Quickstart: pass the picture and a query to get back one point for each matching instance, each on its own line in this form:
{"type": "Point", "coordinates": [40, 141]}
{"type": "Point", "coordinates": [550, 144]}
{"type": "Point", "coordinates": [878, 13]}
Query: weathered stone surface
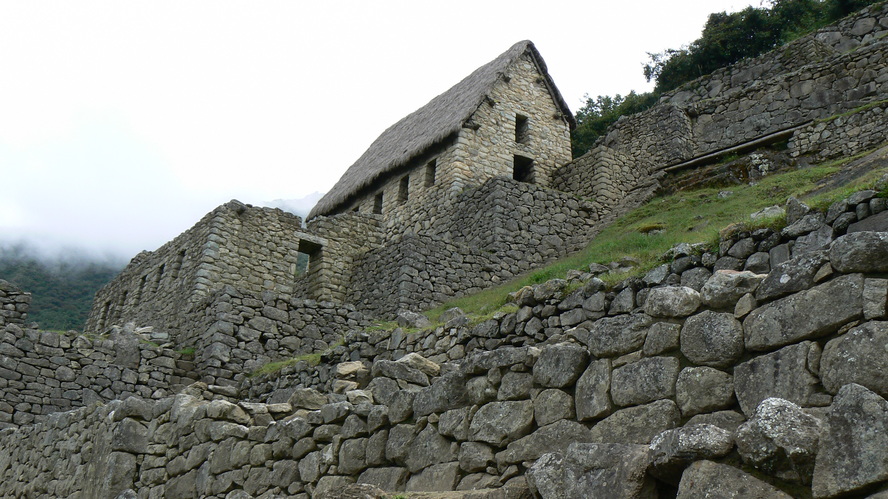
{"type": "Point", "coordinates": [726, 420]}
{"type": "Point", "coordinates": [673, 450]}
{"type": "Point", "coordinates": [781, 440]}
{"type": "Point", "coordinates": [637, 425]}
{"type": "Point", "coordinates": [552, 405]}
{"type": "Point", "coordinates": [560, 365]}
{"type": "Point", "coordinates": [387, 479]}
{"type": "Point", "coordinates": [352, 456]}
{"type": "Point", "coordinates": [860, 252]}
{"type": "Point", "coordinates": [399, 370]}
{"type": "Point", "coordinates": [725, 287]}
{"type": "Point", "coordinates": [593, 470]}
{"type": "Point", "coordinates": [791, 276]}
{"type": "Point", "coordinates": [441, 477]}
{"type": "Point", "coordinates": [807, 314]}
{"type": "Point", "coordinates": [446, 392]}
{"type": "Point", "coordinates": [875, 299]}
{"type": "Point", "coordinates": [672, 301]}
{"type": "Point", "coordinates": [784, 374]}
{"type": "Point", "coordinates": [859, 356]}
{"type": "Point", "coordinates": [554, 437]}
{"type": "Point", "coordinates": [428, 448]}
{"type": "Point", "coordinates": [852, 450]}
{"type": "Point", "coordinates": [308, 398]}
{"type": "Point", "coordinates": [501, 422]}
{"type": "Point", "coordinates": [612, 336]}
{"type": "Point", "coordinates": [593, 391]}
{"type": "Point", "coordinates": [645, 380]}
{"type": "Point", "coordinates": [703, 389]}
{"type": "Point", "coordinates": [712, 339]}
{"type": "Point", "coordinates": [501, 357]}
{"type": "Point", "coordinates": [662, 337]}
{"type": "Point", "coordinates": [709, 479]}
{"type": "Point", "coordinates": [421, 363]}
{"type": "Point", "coordinates": [342, 491]}
{"type": "Point", "coordinates": [474, 456]}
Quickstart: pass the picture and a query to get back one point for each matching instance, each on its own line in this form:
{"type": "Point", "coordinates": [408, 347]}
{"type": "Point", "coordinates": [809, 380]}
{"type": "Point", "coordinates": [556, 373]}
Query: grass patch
{"type": "Point", "coordinates": [690, 216]}
{"type": "Point", "coordinates": [189, 351]}
{"type": "Point", "coordinates": [313, 359]}
{"type": "Point", "coordinates": [860, 109]}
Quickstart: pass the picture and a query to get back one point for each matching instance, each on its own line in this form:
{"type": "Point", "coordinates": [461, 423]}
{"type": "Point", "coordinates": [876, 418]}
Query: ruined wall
{"type": "Point", "coordinates": [240, 332]}
{"type": "Point", "coordinates": [14, 304]}
{"type": "Point", "coordinates": [683, 380]}
{"type": "Point", "coordinates": [42, 372]}
{"type": "Point", "coordinates": [234, 244]}
{"type": "Point", "coordinates": [842, 136]}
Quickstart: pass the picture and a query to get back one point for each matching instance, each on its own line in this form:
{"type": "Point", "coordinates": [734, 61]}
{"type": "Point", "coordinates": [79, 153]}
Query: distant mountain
{"type": "Point", "coordinates": [300, 206]}
{"type": "Point", "coordinates": [62, 285]}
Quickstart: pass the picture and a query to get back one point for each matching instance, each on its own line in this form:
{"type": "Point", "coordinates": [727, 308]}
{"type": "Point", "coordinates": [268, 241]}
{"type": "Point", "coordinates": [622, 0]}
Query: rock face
{"type": "Point", "coordinates": [593, 470]}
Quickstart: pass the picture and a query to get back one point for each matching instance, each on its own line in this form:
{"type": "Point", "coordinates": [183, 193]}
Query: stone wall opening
{"type": "Point", "coordinates": [522, 170]}
{"type": "Point", "coordinates": [430, 171]}
{"type": "Point", "coordinates": [377, 204]}
{"type": "Point", "coordinates": [404, 189]}
{"type": "Point", "coordinates": [521, 129]}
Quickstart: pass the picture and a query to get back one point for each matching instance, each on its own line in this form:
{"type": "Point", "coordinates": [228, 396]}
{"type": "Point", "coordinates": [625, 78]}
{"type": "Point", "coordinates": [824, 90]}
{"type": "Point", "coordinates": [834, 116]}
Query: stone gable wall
{"type": "Point", "coordinates": [694, 351]}
{"type": "Point", "coordinates": [14, 304]}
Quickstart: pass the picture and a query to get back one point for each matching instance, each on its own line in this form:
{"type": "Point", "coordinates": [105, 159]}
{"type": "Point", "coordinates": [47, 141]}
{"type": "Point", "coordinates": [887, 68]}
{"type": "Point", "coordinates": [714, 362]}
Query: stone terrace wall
{"type": "Point", "coordinates": [843, 136]}
{"type": "Point", "coordinates": [43, 372]}
{"type": "Point", "coordinates": [833, 71]}
{"type": "Point", "coordinates": [14, 304]}
{"type": "Point", "coordinates": [241, 332]}
{"type": "Point", "coordinates": [492, 233]}
{"type": "Point", "coordinates": [693, 350]}
{"type": "Point", "coordinates": [234, 244]}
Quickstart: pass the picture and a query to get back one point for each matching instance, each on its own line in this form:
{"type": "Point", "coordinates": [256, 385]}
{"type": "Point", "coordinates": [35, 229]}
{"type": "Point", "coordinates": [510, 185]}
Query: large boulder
{"type": "Point", "coordinates": [593, 391]}
{"type": "Point", "coordinates": [612, 336]}
{"type": "Point", "coordinates": [672, 301]}
{"type": "Point", "coordinates": [860, 252]}
{"type": "Point", "coordinates": [859, 356]}
{"type": "Point", "coordinates": [808, 314]}
{"type": "Point", "coordinates": [703, 389]}
{"type": "Point", "coordinates": [781, 440]}
{"type": "Point", "coordinates": [725, 287]}
{"type": "Point", "coordinates": [445, 393]}
{"type": "Point", "coordinates": [784, 374]}
{"type": "Point", "coordinates": [593, 470]}
{"type": "Point", "coordinates": [791, 276]}
{"type": "Point", "coordinates": [645, 380]}
{"type": "Point", "coordinates": [712, 339]}
{"type": "Point", "coordinates": [709, 479]}
{"type": "Point", "coordinates": [500, 422]}
{"type": "Point", "coordinates": [551, 438]}
{"type": "Point", "coordinates": [852, 452]}
{"type": "Point", "coordinates": [637, 425]}
{"type": "Point", "coordinates": [560, 365]}
{"type": "Point", "coordinates": [673, 450]}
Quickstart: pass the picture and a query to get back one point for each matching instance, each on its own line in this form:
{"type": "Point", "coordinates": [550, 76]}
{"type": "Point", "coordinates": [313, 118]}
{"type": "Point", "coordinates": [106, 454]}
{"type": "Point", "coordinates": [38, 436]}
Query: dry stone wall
{"type": "Point", "coordinates": [234, 244]}
{"type": "Point", "coordinates": [43, 372]}
{"type": "Point", "coordinates": [14, 304]}
{"type": "Point", "coordinates": [835, 71]}
{"type": "Point", "coordinates": [767, 353]}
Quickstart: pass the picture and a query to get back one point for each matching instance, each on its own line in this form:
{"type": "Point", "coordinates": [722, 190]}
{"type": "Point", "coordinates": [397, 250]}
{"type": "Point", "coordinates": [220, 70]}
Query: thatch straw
{"type": "Point", "coordinates": [429, 126]}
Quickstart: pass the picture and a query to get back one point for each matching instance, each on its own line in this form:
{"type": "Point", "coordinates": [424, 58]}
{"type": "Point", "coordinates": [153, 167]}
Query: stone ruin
{"type": "Point", "coordinates": [754, 367]}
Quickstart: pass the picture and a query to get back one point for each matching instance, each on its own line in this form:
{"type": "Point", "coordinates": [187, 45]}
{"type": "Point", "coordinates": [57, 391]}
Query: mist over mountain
{"type": "Point", "coordinates": [62, 282]}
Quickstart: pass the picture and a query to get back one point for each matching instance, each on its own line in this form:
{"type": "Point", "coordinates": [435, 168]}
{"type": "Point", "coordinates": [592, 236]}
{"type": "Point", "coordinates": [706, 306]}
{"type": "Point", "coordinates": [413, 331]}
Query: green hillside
{"type": "Point", "coordinates": [62, 287]}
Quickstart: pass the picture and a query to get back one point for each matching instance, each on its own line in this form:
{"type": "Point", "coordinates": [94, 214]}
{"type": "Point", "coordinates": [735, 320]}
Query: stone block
{"type": "Point", "coordinates": [703, 389]}
{"type": "Point", "coordinates": [784, 374]}
{"type": "Point", "coordinates": [858, 356]}
{"type": "Point", "coordinates": [712, 339]}
{"type": "Point", "coordinates": [645, 380]}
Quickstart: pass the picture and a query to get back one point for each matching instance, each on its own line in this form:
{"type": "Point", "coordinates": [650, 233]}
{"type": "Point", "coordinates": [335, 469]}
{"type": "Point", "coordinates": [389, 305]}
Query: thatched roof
{"type": "Point", "coordinates": [430, 125]}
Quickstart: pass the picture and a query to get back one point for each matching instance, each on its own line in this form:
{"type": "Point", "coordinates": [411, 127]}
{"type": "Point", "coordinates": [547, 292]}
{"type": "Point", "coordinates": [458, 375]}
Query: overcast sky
{"type": "Point", "coordinates": [123, 123]}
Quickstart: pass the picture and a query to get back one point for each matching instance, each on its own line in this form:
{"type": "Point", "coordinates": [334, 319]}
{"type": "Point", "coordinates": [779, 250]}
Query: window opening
{"type": "Point", "coordinates": [521, 128]}
{"type": "Point", "coordinates": [430, 172]}
{"type": "Point", "coordinates": [178, 265]}
{"type": "Point", "coordinates": [377, 204]}
{"type": "Point", "coordinates": [158, 277]}
{"type": "Point", "coordinates": [403, 189]}
{"type": "Point", "coordinates": [523, 169]}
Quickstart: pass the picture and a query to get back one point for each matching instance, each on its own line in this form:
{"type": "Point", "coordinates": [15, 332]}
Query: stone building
{"type": "Point", "coordinates": [506, 119]}
{"type": "Point", "coordinates": [414, 193]}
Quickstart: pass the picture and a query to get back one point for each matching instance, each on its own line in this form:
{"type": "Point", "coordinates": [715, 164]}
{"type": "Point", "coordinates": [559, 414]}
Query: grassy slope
{"type": "Point", "coordinates": [688, 216]}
